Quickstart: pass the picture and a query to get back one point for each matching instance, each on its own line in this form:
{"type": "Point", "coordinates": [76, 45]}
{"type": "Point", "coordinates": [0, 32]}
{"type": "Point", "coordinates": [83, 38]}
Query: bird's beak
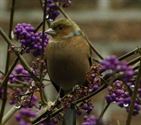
{"type": "Point", "coordinates": [51, 32]}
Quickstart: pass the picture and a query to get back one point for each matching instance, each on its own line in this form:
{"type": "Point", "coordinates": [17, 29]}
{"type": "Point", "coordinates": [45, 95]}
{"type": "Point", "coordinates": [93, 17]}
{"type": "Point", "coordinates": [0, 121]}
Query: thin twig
{"type": "Point", "coordinates": [133, 98]}
{"type": "Point", "coordinates": [46, 113]}
{"type": "Point", "coordinates": [8, 115]}
{"type": "Point", "coordinates": [48, 116]}
{"type": "Point", "coordinates": [2, 72]}
{"type": "Point", "coordinates": [42, 93]}
{"type": "Point", "coordinates": [4, 84]}
{"type": "Point", "coordinates": [128, 54]}
{"type": "Point", "coordinates": [136, 67]}
{"type": "Point", "coordinates": [10, 30]}
{"type": "Point", "coordinates": [37, 28]}
{"type": "Point", "coordinates": [46, 79]}
{"type": "Point", "coordinates": [11, 18]}
{"type": "Point", "coordinates": [43, 34]}
{"type": "Point", "coordinates": [102, 87]}
{"type": "Point", "coordinates": [134, 61]}
{"type": "Point", "coordinates": [103, 112]}
{"type": "Point", "coordinates": [17, 85]}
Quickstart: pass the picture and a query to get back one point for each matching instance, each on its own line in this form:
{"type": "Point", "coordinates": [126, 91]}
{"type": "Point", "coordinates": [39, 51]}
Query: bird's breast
{"type": "Point", "coordinates": [67, 63]}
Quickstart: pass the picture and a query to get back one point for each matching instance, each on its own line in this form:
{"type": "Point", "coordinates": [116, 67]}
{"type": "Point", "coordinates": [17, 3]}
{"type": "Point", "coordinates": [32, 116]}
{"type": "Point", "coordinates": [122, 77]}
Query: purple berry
{"type": "Point", "coordinates": [30, 40]}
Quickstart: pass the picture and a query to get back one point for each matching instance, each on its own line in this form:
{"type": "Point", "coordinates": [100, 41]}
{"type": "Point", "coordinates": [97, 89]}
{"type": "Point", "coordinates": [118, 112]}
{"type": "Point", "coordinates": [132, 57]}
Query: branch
{"type": "Point", "coordinates": [4, 85]}
{"type": "Point", "coordinates": [8, 115]}
{"type": "Point", "coordinates": [10, 30]}
{"type": "Point", "coordinates": [103, 112]}
{"type": "Point", "coordinates": [129, 54]}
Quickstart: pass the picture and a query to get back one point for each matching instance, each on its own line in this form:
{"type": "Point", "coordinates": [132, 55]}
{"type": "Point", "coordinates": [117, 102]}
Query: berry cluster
{"type": "Point", "coordinates": [52, 8]}
{"type": "Point", "coordinates": [22, 94]}
{"type": "Point", "coordinates": [118, 93]}
{"type": "Point", "coordinates": [39, 66]}
{"type": "Point", "coordinates": [85, 107]}
{"type": "Point", "coordinates": [24, 116]}
{"type": "Point", "coordinates": [89, 120]}
{"type": "Point", "coordinates": [113, 65]}
{"type": "Point", "coordinates": [22, 97]}
{"type": "Point", "coordinates": [93, 78]}
{"type": "Point", "coordinates": [19, 75]}
{"type": "Point", "coordinates": [31, 41]}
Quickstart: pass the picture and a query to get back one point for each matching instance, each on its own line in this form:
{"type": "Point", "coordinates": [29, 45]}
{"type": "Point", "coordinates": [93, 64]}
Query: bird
{"type": "Point", "coordinates": [68, 57]}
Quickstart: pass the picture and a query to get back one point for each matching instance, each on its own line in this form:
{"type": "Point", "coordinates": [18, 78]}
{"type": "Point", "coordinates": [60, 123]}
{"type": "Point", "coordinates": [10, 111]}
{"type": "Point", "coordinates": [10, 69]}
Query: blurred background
{"type": "Point", "coordinates": [114, 27]}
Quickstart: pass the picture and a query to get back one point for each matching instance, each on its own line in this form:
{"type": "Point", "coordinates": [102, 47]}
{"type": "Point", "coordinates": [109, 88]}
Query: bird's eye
{"type": "Point", "coordinates": [60, 27]}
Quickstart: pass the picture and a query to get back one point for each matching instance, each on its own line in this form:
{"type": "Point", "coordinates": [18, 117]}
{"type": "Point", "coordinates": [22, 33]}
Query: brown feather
{"type": "Point", "coordinates": [68, 61]}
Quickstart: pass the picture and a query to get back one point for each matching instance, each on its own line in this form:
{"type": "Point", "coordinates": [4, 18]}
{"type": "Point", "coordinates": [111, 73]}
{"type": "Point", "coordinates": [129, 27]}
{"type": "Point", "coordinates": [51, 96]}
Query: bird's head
{"type": "Point", "coordinates": [62, 27]}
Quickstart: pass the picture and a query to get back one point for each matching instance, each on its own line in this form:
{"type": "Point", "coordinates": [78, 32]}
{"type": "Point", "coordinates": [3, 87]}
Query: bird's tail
{"type": "Point", "coordinates": [70, 116]}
